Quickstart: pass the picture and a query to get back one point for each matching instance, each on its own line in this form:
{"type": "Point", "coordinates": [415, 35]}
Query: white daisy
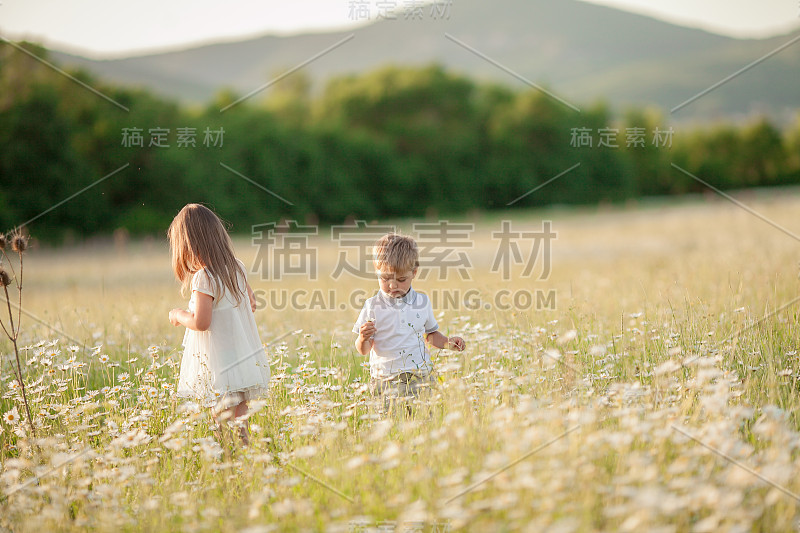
{"type": "Point", "coordinates": [11, 417]}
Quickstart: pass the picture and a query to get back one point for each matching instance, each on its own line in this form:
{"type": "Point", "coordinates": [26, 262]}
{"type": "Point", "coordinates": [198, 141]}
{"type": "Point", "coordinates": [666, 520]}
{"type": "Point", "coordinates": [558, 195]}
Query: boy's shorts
{"type": "Point", "coordinates": [406, 384]}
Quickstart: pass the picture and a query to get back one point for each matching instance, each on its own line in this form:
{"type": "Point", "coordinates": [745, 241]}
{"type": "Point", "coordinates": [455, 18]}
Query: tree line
{"type": "Point", "coordinates": [395, 142]}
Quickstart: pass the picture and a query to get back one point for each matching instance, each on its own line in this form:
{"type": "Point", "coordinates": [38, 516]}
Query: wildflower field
{"type": "Point", "coordinates": [659, 393]}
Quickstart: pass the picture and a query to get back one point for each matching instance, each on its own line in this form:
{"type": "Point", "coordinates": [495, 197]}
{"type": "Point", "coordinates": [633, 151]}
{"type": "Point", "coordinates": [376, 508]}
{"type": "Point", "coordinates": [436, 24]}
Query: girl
{"type": "Point", "coordinates": [224, 363]}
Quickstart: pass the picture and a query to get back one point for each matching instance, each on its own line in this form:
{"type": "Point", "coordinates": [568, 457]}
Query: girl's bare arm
{"type": "Point", "coordinates": [200, 320]}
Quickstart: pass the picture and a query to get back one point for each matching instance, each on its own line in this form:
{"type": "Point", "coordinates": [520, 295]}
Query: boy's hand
{"type": "Point", "coordinates": [367, 330]}
{"type": "Point", "coordinates": [173, 317]}
{"type": "Point", "coordinates": [456, 343]}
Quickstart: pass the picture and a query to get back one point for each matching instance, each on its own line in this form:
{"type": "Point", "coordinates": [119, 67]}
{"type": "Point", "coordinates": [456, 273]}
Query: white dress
{"type": "Point", "coordinates": [225, 364]}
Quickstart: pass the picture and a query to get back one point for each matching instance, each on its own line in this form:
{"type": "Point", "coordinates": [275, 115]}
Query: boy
{"type": "Point", "coordinates": [395, 324]}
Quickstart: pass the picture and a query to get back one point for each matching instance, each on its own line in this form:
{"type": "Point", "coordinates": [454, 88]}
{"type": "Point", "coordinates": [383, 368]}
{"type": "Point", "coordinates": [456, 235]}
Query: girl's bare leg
{"type": "Point", "coordinates": [219, 430]}
{"type": "Point", "coordinates": [231, 415]}
{"type": "Point", "coordinates": [238, 412]}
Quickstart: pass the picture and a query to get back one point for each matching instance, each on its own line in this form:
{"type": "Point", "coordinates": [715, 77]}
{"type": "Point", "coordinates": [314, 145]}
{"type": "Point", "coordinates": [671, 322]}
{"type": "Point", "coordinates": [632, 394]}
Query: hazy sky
{"type": "Point", "coordinates": [114, 28]}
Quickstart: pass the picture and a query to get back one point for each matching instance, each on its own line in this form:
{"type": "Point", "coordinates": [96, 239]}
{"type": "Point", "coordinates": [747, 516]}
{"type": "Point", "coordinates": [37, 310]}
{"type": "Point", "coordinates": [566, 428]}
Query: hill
{"type": "Point", "coordinates": [583, 52]}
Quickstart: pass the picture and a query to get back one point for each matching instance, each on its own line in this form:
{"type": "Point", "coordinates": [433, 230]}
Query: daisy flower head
{"type": "Point", "coordinates": [104, 358]}
{"type": "Point", "coordinates": [11, 417]}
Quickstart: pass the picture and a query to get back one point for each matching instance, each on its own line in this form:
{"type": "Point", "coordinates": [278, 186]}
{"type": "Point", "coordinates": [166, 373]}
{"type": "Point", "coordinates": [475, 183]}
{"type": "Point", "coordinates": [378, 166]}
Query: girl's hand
{"type": "Point", "coordinates": [252, 297]}
{"type": "Point", "coordinates": [173, 317]}
{"type": "Point", "coordinates": [456, 343]}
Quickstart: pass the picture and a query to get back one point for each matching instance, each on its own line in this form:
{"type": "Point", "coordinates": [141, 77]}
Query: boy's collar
{"type": "Point", "coordinates": [406, 298]}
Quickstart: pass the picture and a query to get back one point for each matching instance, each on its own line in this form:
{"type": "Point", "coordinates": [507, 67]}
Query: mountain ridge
{"type": "Point", "coordinates": [582, 52]}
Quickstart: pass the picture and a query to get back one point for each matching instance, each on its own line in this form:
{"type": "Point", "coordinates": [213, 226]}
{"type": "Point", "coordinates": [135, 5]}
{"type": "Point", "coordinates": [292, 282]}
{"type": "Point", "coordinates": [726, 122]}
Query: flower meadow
{"type": "Point", "coordinates": [660, 394]}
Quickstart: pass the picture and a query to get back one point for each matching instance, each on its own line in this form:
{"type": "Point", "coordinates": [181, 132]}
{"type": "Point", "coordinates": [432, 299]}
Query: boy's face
{"type": "Point", "coordinates": [395, 284]}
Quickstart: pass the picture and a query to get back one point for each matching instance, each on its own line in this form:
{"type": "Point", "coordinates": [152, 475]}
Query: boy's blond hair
{"type": "Point", "coordinates": [396, 253]}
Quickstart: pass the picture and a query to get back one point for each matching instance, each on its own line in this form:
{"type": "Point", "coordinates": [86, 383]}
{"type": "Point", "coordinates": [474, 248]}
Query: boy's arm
{"type": "Point", "coordinates": [200, 320]}
{"type": "Point", "coordinates": [440, 341]}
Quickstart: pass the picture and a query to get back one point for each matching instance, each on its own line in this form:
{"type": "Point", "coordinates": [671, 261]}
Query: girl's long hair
{"type": "Point", "coordinates": [197, 240]}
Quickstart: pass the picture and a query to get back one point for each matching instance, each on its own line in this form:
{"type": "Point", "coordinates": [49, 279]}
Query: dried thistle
{"type": "Point", "coordinates": [3, 241]}
{"type": "Point", "coordinates": [11, 329]}
{"type": "Point", "coordinates": [19, 241]}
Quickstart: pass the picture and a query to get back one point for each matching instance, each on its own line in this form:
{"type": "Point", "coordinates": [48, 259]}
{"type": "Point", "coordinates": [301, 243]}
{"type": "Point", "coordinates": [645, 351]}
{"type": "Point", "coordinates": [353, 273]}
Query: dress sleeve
{"type": "Point", "coordinates": [362, 317]}
{"type": "Point", "coordinates": [430, 321]}
{"type": "Point", "coordinates": [202, 283]}
{"type": "Point", "coordinates": [243, 267]}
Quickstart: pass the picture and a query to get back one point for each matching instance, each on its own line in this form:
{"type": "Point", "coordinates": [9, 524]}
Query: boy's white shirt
{"type": "Point", "coordinates": [401, 327]}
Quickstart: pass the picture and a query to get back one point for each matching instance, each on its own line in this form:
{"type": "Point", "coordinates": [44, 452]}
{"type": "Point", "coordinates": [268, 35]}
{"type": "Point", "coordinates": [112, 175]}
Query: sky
{"type": "Point", "coordinates": [115, 28]}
